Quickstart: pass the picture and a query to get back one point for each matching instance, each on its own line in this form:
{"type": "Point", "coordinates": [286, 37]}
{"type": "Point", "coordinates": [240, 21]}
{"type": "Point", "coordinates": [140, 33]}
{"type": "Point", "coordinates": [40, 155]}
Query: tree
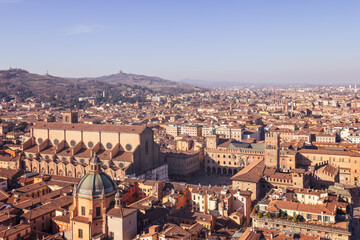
{"type": "Point", "coordinates": [20, 127]}
{"type": "Point", "coordinates": [283, 214]}
{"type": "Point", "coordinates": [298, 218]}
{"type": "Point", "coordinates": [269, 215]}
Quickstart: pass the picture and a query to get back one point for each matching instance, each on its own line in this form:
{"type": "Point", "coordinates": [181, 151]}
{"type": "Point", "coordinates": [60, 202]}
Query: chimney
{"type": "Point", "coordinates": [272, 236]}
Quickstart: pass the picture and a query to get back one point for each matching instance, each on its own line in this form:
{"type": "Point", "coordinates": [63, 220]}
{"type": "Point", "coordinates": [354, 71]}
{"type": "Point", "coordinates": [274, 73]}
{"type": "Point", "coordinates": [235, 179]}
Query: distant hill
{"type": "Point", "coordinates": [22, 84]}
{"type": "Point", "coordinates": [154, 83]}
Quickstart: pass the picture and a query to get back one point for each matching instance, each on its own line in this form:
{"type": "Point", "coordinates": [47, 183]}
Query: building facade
{"type": "Point", "coordinates": [65, 149]}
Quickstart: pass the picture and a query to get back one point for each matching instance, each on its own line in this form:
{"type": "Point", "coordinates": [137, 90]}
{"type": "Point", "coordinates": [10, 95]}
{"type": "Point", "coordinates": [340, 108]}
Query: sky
{"type": "Point", "coordinates": [250, 41]}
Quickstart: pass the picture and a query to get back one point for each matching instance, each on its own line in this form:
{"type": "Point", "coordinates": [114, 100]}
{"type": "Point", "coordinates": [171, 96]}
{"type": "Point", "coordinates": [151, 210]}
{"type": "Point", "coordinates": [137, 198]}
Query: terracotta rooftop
{"type": "Point", "coordinates": [251, 173]}
{"type": "Point", "coordinates": [121, 212]}
{"type": "Point", "coordinates": [329, 152]}
{"type": "Point", "coordinates": [90, 127]}
{"type": "Point", "coordinates": [328, 169]}
{"type": "Point", "coordinates": [5, 232]}
{"type": "Point", "coordinates": [302, 207]}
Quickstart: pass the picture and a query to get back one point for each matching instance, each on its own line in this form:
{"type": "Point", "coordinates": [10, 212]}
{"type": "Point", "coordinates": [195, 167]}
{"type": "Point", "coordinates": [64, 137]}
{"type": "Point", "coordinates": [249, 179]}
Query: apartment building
{"type": "Point", "coordinates": [347, 161]}
{"type": "Point", "coordinates": [318, 220]}
{"type": "Point", "coordinates": [220, 201]}
{"type": "Point", "coordinates": [173, 130]}
{"type": "Point", "coordinates": [182, 165]}
{"type": "Point", "coordinates": [191, 130]}
{"type": "Point", "coordinates": [321, 137]}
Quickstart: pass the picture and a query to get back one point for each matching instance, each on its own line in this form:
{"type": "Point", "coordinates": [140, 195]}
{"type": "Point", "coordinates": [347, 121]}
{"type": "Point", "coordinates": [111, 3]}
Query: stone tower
{"type": "Point", "coordinates": [286, 107]}
{"type": "Point", "coordinates": [272, 150]}
{"type": "Point", "coordinates": [212, 141]}
{"type": "Point", "coordinates": [70, 117]}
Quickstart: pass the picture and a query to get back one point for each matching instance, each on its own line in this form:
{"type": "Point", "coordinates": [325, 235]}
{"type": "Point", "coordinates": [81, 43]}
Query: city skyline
{"type": "Point", "coordinates": [257, 42]}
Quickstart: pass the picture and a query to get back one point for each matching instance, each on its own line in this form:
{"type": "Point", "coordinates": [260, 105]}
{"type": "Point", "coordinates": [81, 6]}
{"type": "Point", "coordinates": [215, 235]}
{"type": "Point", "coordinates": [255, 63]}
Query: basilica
{"type": "Point", "coordinates": [65, 148]}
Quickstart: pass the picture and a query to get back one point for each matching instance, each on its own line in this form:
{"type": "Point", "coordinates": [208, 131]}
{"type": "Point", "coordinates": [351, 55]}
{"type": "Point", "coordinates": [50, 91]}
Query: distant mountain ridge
{"type": "Point", "coordinates": [34, 82]}
{"type": "Point", "coordinates": [21, 84]}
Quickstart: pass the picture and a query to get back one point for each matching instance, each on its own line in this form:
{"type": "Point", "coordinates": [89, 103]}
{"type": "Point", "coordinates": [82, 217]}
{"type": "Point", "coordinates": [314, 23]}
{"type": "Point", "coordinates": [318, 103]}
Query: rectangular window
{"type": "Point", "coordinates": [97, 211]}
{"type": "Point", "coordinates": [83, 211]}
{"type": "Point", "coordinates": [80, 233]}
{"type": "Point", "coordinates": [319, 217]}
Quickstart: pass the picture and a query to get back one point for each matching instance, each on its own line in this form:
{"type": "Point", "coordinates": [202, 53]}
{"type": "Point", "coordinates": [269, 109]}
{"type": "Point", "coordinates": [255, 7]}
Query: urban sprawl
{"type": "Point", "coordinates": [244, 163]}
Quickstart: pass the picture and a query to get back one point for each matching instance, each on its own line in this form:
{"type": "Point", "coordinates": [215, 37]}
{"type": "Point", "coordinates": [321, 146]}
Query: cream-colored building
{"type": "Point", "coordinates": [227, 132]}
{"type": "Point", "coordinates": [321, 137]}
{"type": "Point", "coordinates": [220, 201]}
{"type": "Point", "coordinates": [348, 163]}
{"type": "Point", "coordinates": [230, 156]}
{"type": "Point", "coordinates": [65, 149]}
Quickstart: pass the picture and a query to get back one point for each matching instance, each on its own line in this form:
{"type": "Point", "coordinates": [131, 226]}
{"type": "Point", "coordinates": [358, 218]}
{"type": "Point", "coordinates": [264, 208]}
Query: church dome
{"type": "Point", "coordinates": [95, 182]}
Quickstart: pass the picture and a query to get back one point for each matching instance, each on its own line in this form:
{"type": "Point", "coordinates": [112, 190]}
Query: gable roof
{"type": "Point", "coordinates": [252, 172]}
{"type": "Point", "coordinates": [90, 127]}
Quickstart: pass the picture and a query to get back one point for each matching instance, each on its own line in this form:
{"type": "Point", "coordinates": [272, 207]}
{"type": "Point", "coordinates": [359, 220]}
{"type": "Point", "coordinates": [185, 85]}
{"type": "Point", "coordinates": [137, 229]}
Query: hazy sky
{"type": "Point", "coordinates": [289, 41]}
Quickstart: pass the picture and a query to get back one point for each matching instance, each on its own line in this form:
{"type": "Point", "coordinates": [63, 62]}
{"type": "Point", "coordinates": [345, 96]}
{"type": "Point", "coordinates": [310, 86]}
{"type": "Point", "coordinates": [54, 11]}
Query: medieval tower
{"type": "Point", "coordinates": [272, 150]}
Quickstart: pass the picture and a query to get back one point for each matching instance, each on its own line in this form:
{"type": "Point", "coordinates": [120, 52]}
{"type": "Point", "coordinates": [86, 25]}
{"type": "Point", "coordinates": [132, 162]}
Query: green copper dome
{"type": "Point", "coordinates": [95, 184]}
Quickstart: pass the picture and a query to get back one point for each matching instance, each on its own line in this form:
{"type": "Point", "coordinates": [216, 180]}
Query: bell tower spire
{"type": "Point", "coordinates": [118, 198]}
{"type": "Point", "coordinates": [95, 164]}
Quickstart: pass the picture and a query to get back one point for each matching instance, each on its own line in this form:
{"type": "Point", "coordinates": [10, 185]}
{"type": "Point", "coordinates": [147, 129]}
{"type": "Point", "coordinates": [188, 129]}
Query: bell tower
{"type": "Point", "coordinates": [118, 199]}
{"type": "Point", "coordinates": [95, 164]}
{"type": "Point", "coordinates": [70, 117]}
{"type": "Point", "coordinates": [272, 150]}
{"type": "Point", "coordinates": [212, 141]}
